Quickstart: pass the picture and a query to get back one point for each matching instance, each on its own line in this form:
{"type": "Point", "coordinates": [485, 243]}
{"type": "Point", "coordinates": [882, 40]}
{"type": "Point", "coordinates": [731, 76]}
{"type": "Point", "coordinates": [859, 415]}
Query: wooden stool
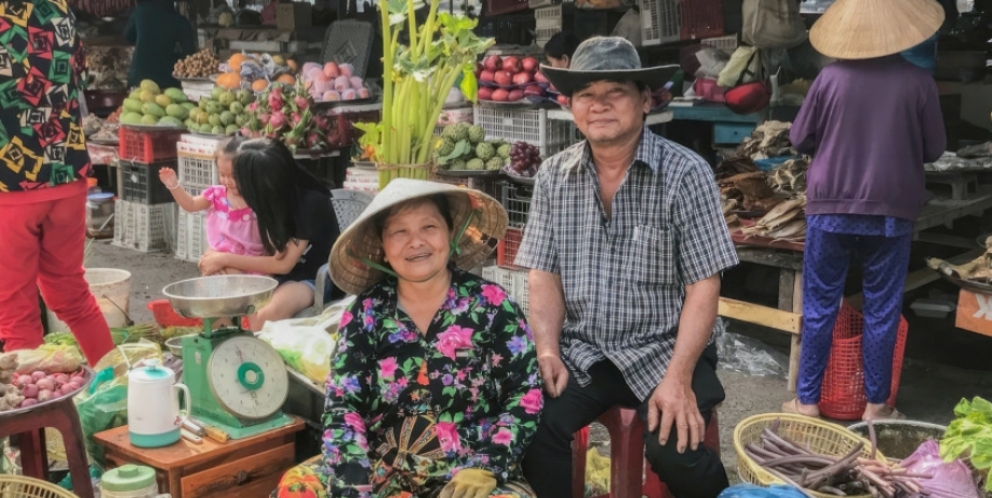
{"type": "Point", "coordinates": [29, 429]}
{"type": "Point", "coordinates": [630, 475]}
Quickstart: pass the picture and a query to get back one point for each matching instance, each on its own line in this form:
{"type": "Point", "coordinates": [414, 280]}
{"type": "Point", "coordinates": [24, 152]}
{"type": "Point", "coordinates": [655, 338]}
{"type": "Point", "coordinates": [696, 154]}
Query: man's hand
{"type": "Point", "coordinates": [470, 483]}
{"type": "Point", "coordinates": [676, 402]}
{"type": "Point", "coordinates": [554, 373]}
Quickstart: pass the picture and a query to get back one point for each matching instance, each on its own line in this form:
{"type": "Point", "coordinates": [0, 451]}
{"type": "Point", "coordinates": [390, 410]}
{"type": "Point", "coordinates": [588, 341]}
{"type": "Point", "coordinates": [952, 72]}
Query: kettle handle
{"type": "Point", "coordinates": [189, 404]}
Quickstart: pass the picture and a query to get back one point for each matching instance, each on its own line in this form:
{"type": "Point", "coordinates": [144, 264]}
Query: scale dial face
{"type": "Point", "coordinates": [248, 378]}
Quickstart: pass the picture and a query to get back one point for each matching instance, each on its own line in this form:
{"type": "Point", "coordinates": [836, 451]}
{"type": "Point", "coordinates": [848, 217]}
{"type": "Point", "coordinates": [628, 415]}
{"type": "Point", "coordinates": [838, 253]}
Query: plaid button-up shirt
{"type": "Point", "coordinates": [624, 277]}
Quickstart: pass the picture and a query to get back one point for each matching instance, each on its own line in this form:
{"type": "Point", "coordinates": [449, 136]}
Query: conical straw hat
{"type": "Point", "coordinates": [359, 244]}
{"type": "Point", "coordinates": [863, 29]}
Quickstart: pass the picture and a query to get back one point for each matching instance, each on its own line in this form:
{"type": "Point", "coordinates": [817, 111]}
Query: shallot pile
{"type": "Point", "coordinates": [847, 475]}
{"type": "Point", "coordinates": [40, 386]}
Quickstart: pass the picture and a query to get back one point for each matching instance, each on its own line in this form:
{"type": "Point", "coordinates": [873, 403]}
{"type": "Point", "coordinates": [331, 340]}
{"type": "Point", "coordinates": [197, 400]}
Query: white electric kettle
{"type": "Point", "coordinates": [153, 415]}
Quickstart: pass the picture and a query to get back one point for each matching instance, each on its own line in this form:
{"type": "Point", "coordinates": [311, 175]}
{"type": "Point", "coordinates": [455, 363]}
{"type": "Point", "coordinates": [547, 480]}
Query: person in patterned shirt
{"type": "Point", "coordinates": [434, 390]}
{"type": "Point", "coordinates": [625, 242]}
{"type": "Point", "coordinates": [43, 170]}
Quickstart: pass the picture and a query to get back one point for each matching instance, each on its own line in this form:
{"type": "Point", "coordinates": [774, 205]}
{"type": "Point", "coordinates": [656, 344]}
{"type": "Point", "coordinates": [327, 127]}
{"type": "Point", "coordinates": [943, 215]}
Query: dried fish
{"type": "Point", "coordinates": [765, 204]}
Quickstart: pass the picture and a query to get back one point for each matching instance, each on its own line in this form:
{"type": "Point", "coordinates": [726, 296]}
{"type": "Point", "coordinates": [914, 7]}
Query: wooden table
{"type": "Point", "coordinates": [243, 467]}
{"type": "Point", "coordinates": [787, 317]}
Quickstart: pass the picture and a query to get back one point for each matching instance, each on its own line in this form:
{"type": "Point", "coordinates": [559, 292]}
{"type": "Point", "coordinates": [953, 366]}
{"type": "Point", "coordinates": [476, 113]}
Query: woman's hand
{"type": "Point", "coordinates": [212, 263]}
{"type": "Point", "coordinates": [168, 177]}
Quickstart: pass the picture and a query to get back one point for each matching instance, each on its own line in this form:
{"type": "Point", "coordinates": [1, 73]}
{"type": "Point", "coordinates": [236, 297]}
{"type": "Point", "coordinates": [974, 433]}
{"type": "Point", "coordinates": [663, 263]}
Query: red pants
{"type": "Point", "coordinates": [41, 247]}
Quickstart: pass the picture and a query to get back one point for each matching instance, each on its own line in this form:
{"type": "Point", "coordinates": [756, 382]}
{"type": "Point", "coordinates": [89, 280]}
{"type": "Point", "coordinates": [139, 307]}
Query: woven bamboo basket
{"type": "Point", "coordinates": [388, 172]}
{"type": "Point", "coordinates": [13, 486]}
{"type": "Point", "coordinates": [819, 436]}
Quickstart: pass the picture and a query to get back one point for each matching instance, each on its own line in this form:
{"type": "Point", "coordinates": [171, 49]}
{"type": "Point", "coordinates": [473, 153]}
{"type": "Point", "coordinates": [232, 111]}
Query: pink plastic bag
{"type": "Point", "coordinates": [950, 480]}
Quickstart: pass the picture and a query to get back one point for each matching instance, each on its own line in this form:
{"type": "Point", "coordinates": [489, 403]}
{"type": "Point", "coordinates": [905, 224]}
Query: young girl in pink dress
{"type": "Point", "coordinates": [231, 225]}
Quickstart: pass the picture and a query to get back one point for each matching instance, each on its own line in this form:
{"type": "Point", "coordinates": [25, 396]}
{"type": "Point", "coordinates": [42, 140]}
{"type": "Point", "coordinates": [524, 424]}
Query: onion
{"type": "Point", "coordinates": [61, 378]}
{"type": "Point", "coordinates": [38, 375]}
{"type": "Point", "coordinates": [28, 402]}
{"type": "Point", "coordinates": [45, 395]}
{"type": "Point", "coordinates": [29, 391]}
{"type": "Point", "coordinates": [23, 380]}
{"type": "Point", "coordinates": [66, 389]}
{"type": "Point", "coordinates": [46, 384]}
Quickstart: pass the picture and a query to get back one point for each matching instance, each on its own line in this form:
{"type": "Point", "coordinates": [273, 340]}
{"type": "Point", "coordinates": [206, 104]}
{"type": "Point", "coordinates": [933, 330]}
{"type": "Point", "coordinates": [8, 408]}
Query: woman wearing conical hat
{"type": "Point", "coordinates": [870, 121]}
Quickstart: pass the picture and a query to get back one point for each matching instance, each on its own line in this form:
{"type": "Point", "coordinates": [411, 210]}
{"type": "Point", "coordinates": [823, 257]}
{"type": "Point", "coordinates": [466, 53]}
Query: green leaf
{"type": "Point", "coordinates": [461, 148]}
{"type": "Point", "coordinates": [469, 85]}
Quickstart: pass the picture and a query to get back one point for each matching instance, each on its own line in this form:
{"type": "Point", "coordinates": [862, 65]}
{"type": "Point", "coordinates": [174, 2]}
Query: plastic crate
{"type": "Point", "coordinates": [521, 289]}
{"type": "Point", "coordinates": [515, 198]}
{"type": "Point", "coordinates": [141, 183]}
{"type": "Point", "coordinates": [486, 184]}
{"type": "Point", "coordinates": [196, 90]}
{"type": "Point", "coordinates": [191, 236]}
{"type": "Point", "coordinates": [506, 250]}
{"type": "Point", "coordinates": [536, 4]}
{"type": "Point", "coordinates": [144, 227]}
{"type": "Point", "coordinates": [726, 43]}
{"type": "Point", "coordinates": [666, 21]}
{"type": "Point", "coordinates": [543, 35]}
{"type": "Point", "coordinates": [147, 146]}
{"type": "Point", "coordinates": [547, 17]}
{"type": "Point", "coordinates": [526, 125]}
{"type": "Point", "coordinates": [349, 42]}
{"type": "Point", "coordinates": [197, 172]}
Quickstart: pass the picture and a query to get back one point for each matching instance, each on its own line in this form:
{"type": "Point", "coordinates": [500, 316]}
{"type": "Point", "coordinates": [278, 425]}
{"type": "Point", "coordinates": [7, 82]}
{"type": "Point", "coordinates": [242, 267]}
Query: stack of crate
{"type": "Point", "coordinates": [526, 125]}
{"type": "Point", "coordinates": [548, 20]}
{"type": "Point", "coordinates": [197, 171]}
{"type": "Point", "coordinates": [515, 197]}
{"type": "Point", "coordinates": [145, 211]}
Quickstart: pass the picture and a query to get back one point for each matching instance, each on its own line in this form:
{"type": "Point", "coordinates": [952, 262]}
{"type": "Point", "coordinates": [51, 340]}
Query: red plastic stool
{"type": "Point", "coordinates": [29, 428]}
{"type": "Point", "coordinates": [627, 463]}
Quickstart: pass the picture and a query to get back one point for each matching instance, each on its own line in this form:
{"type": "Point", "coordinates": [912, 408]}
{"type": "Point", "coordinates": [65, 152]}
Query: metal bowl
{"type": "Point", "coordinates": [900, 438]}
{"type": "Point", "coordinates": [220, 296]}
{"type": "Point", "coordinates": [88, 375]}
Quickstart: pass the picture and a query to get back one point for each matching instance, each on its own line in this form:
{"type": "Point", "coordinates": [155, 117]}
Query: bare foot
{"type": "Point", "coordinates": [879, 411]}
{"type": "Point", "coordinates": [794, 406]}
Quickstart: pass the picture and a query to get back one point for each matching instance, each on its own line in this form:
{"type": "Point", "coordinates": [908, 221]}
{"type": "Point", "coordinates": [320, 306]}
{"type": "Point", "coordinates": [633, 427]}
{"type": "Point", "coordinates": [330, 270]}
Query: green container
{"type": "Point", "coordinates": [130, 481]}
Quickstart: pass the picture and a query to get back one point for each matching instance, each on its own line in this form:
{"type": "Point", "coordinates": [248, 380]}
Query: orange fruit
{"type": "Point", "coordinates": [287, 79]}
{"type": "Point", "coordinates": [229, 80]}
{"type": "Point", "coordinates": [234, 62]}
{"type": "Point", "coordinates": [259, 85]}
{"type": "Point", "coordinates": [292, 65]}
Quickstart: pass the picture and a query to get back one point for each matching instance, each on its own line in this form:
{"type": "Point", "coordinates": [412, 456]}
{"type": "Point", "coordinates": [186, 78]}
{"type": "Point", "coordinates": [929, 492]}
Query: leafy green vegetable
{"type": "Point", "coordinates": [61, 339]}
{"type": "Point", "coordinates": [970, 436]}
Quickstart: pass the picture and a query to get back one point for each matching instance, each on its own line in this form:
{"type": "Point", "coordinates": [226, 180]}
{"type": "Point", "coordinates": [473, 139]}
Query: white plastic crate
{"type": "Point", "coordinates": [661, 21]}
{"type": "Point", "coordinates": [542, 35]}
{"type": "Point", "coordinates": [548, 17]}
{"type": "Point", "coordinates": [191, 236]}
{"type": "Point", "coordinates": [536, 4]}
{"type": "Point", "coordinates": [526, 125]}
{"type": "Point", "coordinates": [144, 227]}
{"type": "Point", "coordinates": [196, 163]}
{"type": "Point", "coordinates": [196, 90]}
{"type": "Point", "coordinates": [514, 282]}
{"type": "Point", "coordinates": [725, 43]}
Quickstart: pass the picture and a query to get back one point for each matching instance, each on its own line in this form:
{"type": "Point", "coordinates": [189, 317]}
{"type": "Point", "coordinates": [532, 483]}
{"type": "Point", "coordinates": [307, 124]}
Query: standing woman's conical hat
{"type": "Point", "coordinates": [864, 29]}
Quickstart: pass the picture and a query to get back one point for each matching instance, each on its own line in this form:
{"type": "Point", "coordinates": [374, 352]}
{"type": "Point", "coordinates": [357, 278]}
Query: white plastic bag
{"type": "Point", "coordinates": [772, 24]}
{"type": "Point", "coordinates": [307, 344]}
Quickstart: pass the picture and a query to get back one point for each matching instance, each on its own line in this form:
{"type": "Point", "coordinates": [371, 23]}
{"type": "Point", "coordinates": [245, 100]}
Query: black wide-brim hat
{"type": "Point", "coordinates": [606, 58]}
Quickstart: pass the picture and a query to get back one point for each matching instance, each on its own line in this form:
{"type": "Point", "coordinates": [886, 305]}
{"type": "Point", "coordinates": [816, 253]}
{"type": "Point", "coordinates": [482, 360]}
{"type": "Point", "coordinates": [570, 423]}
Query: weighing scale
{"type": "Point", "coordinates": [237, 382]}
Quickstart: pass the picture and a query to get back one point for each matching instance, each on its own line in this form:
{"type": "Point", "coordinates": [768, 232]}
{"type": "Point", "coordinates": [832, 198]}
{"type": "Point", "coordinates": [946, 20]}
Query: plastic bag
{"type": "Point", "coordinates": [950, 480]}
{"type": "Point", "coordinates": [103, 405]}
{"type": "Point", "coordinates": [307, 344]}
{"type": "Point", "coordinates": [752, 491]}
{"type": "Point", "coordinates": [50, 358]}
{"type": "Point", "coordinates": [711, 62]}
{"type": "Point", "coordinates": [742, 68]}
{"type": "Point", "coordinates": [742, 354]}
{"type": "Point", "coordinates": [772, 24]}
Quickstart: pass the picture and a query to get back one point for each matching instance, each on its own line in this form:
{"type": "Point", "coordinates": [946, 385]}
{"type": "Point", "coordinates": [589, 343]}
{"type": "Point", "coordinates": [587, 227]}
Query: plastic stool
{"type": "Point", "coordinates": [627, 463]}
{"type": "Point", "coordinates": [29, 428]}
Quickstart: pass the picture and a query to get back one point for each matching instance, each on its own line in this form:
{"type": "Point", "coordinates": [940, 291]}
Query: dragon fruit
{"type": "Point", "coordinates": [252, 107]}
{"type": "Point", "coordinates": [275, 101]}
{"type": "Point", "coordinates": [313, 139]}
{"type": "Point", "coordinates": [264, 118]}
{"type": "Point", "coordinates": [278, 120]}
{"type": "Point", "coordinates": [301, 102]}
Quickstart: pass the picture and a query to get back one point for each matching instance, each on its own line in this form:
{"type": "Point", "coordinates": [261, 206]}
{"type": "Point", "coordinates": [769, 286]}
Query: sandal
{"type": "Point", "coordinates": [887, 413]}
{"type": "Point", "coordinates": [792, 406]}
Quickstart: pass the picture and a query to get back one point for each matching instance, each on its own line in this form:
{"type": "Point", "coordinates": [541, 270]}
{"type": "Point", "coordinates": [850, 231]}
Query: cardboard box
{"type": "Point", "coordinates": [974, 312]}
{"type": "Point", "coordinates": [294, 15]}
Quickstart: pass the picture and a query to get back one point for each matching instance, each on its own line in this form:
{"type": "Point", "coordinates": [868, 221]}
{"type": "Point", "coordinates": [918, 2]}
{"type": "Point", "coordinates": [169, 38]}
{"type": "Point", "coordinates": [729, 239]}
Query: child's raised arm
{"type": "Point", "coordinates": [189, 203]}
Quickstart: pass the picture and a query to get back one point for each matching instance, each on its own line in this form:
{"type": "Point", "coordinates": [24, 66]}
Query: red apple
{"type": "Point", "coordinates": [521, 78]}
{"type": "Point", "coordinates": [533, 90]}
{"type": "Point", "coordinates": [487, 75]}
{"type": "Point", "coordinates": [486, 93]}
{"type": "Point", "coordinates": [500, 95]}
{"type": "Point", "coordinates": [540, 77]}
{"type": "Point", "coordinates": [515, 95]}
{"type": "Point", "coordinates": [511, 64]}
{"type": "Point", "coordinates": [492, 63]}
{"type": "Point", "coordinates": [529, 64]}
{"type": "Point", "coordinates": [504, 78]}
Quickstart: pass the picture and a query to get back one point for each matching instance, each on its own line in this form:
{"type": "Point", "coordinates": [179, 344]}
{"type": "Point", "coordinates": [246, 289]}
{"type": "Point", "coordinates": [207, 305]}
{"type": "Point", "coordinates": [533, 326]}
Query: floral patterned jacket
{"type": "Point", "coordinates": [405, 411]}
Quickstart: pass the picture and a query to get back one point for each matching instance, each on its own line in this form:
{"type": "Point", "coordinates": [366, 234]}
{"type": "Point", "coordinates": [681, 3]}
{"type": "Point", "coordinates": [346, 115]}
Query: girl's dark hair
{"type": "Point", "coordinates": [272, 183]}
{"type": "Point", "coordinates": [230, 147]}
{"type": "Point", "coordinates": [439, 200]}
{"type": "Point", "coordinates": [562, 43]}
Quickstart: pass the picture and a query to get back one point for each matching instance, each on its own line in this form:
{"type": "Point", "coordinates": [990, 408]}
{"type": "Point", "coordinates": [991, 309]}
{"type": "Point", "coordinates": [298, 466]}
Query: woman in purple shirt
{"type": "Point", "coordinates": [870, 121]}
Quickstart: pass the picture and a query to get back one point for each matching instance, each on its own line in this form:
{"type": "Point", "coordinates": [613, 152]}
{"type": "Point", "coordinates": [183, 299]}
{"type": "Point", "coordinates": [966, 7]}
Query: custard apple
{"type": "Point", "coordinates": [476, 134]}
{"type": "Point", "coordinates": [485, 151]}
{"type": "Point", "coordinates": [495, 163]}
{"type": "Point", "coordinates": [447, 147]}
{"type": "Point", "coordinates": [459, 165]}
{"type": "Point", "coordinates": [503, 151]}
{"type": "Point", "coordinates": [475, 164]}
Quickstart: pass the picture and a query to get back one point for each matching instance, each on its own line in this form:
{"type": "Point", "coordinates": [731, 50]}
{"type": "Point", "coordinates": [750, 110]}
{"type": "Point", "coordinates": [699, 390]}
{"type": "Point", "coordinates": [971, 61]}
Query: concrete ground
{"type": "Point", "coordinates": [929, 390]}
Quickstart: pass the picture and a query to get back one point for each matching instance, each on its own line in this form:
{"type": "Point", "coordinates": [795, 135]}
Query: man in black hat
{"type": "Point", "coordinates": [625, 243]}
